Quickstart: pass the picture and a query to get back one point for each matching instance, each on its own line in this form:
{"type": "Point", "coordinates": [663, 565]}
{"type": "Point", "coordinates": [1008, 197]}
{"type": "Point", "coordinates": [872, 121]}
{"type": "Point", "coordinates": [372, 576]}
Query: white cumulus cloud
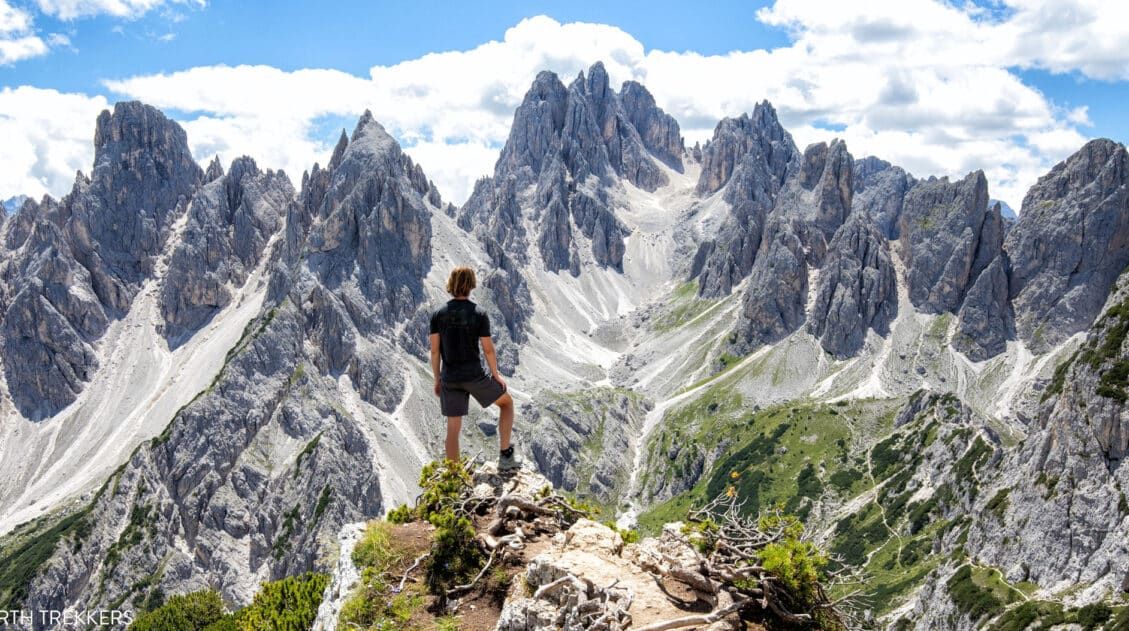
{"type": "Point", "coordinates": [73, 9]}
{"type": "Point", "coordinates": [49, 135]}
{"type": "Point", "coordinates": [18, 40]}
{"type": "Point", "coordinates": [925, 84]}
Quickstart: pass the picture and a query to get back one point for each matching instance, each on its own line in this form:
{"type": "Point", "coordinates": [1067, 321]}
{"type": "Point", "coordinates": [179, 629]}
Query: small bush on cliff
{"type": "Point", "coordinates": [290, 603]}
{"type": "Point", "coordinates": [454, 556]}
{"type": "Point", "coordinates": [187, 612]}
{"type": "Point", "coordinates": [772, 567]}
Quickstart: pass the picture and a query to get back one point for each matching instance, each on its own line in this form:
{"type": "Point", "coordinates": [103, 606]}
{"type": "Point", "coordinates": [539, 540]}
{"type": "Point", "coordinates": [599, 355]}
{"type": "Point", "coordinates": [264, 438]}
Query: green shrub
{"type": "Point", "coordinates": [454, 556]}
{"type": "Point", "coordinates": [998, 504]}
{"type": "Point", "coordinates": [885, 457]}
{"type": "Point", "coordinates": [402, 514]}
{"type": "Point", "coordinates": [187, 612]}
{"type": "Point", "coordinates": [443, 482]}
{"type": "Point", "coordinates": [627, 534]}
{"type": "Point", "coordinates": [1093, 616]}
{"type": "Point", "coordinates": [975, 601]}
{"type": "Point", "coordinates": [808, 483]}
{"type": "Point", "coordinates": [19, 567]}
{"type": "Point", "coordinates": [797, 564]}
{"type": "Point", "coordinates": [1018, 618]}
{"type": "Point", "coordinates": [844, 479]}
{"type": "Point", "coordinates": [290, 603]}
{"type": "Point", "coordinates": [1120, 622]}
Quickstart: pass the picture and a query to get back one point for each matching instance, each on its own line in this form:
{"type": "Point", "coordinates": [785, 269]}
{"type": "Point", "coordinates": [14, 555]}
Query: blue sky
{"type": "Point", "coordinates": [939, 88]}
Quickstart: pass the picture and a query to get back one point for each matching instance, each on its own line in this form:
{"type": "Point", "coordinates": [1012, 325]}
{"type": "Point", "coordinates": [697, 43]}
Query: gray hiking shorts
{"type": "Point", "coordinates": [454, 397]}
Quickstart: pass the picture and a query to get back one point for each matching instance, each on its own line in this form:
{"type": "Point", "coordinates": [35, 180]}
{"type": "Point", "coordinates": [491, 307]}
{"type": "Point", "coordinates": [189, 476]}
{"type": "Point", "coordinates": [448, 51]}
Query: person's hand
{"type": "Point", "coordinates": [498, 378]}
{"type": "Point", "coordinates": [438, 387]}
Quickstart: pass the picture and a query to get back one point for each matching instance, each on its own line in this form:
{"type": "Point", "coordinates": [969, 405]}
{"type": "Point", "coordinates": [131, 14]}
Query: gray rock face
{"type": "Point", "coordinates": [817, 197]}
{"type": "Point", "coordinates": [985, 322]}
{"type": "Point", "coordinates": [657, 129]}
{"type": "Point", "coordinates": [565, 148]}
{"type": "Point", "coordinates": [947, 238]}
{"type": "Point", "coordinates": [751, 155]}
{"type": "Point", "coordinates": [371, 236]}
{"type": "Point", "coordinates": [596, 140]}
{"type": "Point", "coordinates": [358, 246]}
{"type": "Point", "coordinates": [880, 189]}
{"type": "Point", "coordinates": [230, 222]}
{"type": "Point", "coordinates": [857, 290]}
{"type": "Point", "coordinates": [142, 171]}
{"type": "Point", "coordinates": [774, 303]}
{"type": "Point", "coordinates": [1070, 244]}
{"type": "Point", "coordinates": [582, 441]}
{"type": "Point", "coordinates": [51, 316]}
{"type": "Point", "coordinates": [197, 508]}
{"type": "Point", "coordinates": [1065, 520]}
{"type": "Point", "coordinates": [595, 118]}
{"type": "Point", "coordinates": [811, 206]}
{"type": "Point", "coordinates": [256, 475]}
{"type": "Point", "coordinates": [77, 264]}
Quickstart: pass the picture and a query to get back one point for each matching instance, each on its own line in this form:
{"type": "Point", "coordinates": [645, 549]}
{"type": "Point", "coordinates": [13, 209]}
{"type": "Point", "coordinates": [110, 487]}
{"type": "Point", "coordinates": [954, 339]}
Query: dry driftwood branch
{"type": "Point", "coordinates": [526, 505]}
{"type": "Point", "coordinates": [567, 579]}
{"type": "Point", "coordinates": [694, 620]}
{"type": "Point", "coordinates": [458, 589]}
{"type": "Point", "coordinates": [408, 571]}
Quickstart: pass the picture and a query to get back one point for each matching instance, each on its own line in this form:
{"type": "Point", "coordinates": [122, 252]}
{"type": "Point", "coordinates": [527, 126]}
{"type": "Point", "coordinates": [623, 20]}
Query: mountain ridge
{"type": "Point", "coordinates": [807, 275]}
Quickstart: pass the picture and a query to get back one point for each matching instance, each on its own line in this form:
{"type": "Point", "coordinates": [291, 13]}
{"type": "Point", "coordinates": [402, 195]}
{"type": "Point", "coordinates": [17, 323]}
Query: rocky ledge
{"type": "Point", "coordinates": [483, 550]}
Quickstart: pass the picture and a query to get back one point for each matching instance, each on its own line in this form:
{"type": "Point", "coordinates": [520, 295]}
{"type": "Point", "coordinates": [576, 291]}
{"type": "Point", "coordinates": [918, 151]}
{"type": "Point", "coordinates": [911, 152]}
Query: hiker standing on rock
{"type": "Point", "coordinates": [457, 329]}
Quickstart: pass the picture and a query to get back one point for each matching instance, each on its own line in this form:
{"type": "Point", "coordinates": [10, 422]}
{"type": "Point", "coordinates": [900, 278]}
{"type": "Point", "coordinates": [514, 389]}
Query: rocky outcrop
{"type": "Point", "coordinates": [51, 315]}
{"type": "Point", "coordinates": [567, 149]}
{"type": "Point", "coordinates": [596, 557]}
{"type": "Point", "coordinates": [582, 441]}
{"type": "Point", "coordinates": [1053, 511]}
{"type": "Point", "coordinates": [880, 190]}
{"type": "Point", "coordinates": [595, 117]}
{"type": "Point", "coordinates": [773, 305]}
{"type": "Point", "coordinates": [230, 222]}
{"type": "Point", "coordinates": [143, 172]}
{"type": "Point", "coordinates": [817, 198]}
{"type": "Point", "coordinates": [750, 157]}
{"type": "Point", "coordinates": [198, 507]}
{"type": "Point", "coordinates": [857, 290]}
{"type": "Point", "coordinates": [1070, 244]}
{"type": "Point", "coordinates": [657, 129]}
{"type": "Point", "coordinates": [560, 138]}
{"type": "Point", "coordinates": [256, 475]}
{"type": "Point", "coordinates": [985, 321]}
{"type": "Point", "coordinates": [948, 237]}
{"type": "Point", "coordinates": [810, 208]}
{"type": "Point", "coordinates": [371, 236]}
{"type": "Point", "coordinates": [77, 264]}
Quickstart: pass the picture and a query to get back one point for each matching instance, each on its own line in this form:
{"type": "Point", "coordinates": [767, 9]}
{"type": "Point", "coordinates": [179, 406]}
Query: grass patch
{"type": "Point", "coordinates": [684, 306]}
{"type": "Point", "coordinates": [970, 594]}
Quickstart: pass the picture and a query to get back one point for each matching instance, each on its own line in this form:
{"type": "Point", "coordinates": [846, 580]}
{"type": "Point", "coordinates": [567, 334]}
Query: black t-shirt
{"type": "Point", "coordinates": [459, 324]}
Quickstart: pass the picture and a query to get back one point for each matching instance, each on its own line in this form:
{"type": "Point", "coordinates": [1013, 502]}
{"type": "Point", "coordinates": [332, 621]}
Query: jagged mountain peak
{"type": "Point", "coordinates": [137, 126]}
{"type": "Point", "coordinates": [214, 170]}
{"type": "Point", "coordinates": [759, 137]}
{"type": "Point", "coordinates": [1070, 243]}
{"type": "Point", "coordinates": [947, 238]}
{"type": "Point", "coordinates": [338, 150]}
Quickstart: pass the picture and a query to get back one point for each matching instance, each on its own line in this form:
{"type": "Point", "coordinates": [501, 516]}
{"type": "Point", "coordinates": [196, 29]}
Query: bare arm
{"type": "Point", "coordinates": [491, 358]}
{"type": "Point", "coordinates": [435, 360]}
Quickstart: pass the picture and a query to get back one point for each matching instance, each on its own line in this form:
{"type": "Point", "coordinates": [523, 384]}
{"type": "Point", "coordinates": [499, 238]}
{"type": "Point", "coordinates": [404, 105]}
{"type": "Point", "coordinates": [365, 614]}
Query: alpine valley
{"type": "Point", "coordinates": [210, 375]}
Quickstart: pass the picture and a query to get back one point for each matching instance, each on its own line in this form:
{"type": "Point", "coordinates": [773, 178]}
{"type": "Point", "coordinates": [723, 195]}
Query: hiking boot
{"type": "Point", "coordinates": [509, 461]}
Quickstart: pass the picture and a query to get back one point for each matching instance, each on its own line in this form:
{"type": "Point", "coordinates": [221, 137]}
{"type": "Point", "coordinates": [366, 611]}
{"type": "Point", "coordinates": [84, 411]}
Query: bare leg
{"type": "Point", "coordinates": [454, 425]}
{"type": "Point", "coordinates": [505, 405]}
